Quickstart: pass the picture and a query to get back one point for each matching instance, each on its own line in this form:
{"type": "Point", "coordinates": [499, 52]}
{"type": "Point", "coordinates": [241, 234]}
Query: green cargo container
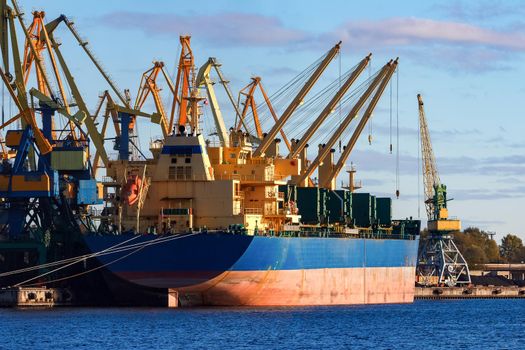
{"type": "Point", "coordinates": [339, 206]}
{"type": "Point", "coordinates": [373, 210]}
{"type": "Point", "coordinates": [362, 209]}
{"type": "Point", "coordinates": [348, 210]}
{"type": "Point", "coordinates": [384, 211]}
{"type": "Point", "coordinates": [311, 202]}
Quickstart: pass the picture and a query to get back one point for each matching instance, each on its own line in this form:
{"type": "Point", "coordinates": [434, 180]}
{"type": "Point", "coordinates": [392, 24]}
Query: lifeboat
{"type": "Point", "coordinates": [131, 189]}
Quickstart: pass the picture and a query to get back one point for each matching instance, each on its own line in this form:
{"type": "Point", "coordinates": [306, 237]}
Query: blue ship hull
{"type": "Point", "coordinates": [227, 269]}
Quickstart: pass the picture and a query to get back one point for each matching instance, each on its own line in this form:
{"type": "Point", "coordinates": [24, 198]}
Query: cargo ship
{"type": "Point", "coordinates": [201, 242]}
{"type": "Point", "coordinates": [223, 219]}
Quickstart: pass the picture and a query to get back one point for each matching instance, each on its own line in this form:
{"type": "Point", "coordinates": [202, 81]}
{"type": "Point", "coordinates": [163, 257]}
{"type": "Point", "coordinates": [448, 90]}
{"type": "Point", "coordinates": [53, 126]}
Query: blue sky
{"type": "Point", "coordinates": [465, 57]}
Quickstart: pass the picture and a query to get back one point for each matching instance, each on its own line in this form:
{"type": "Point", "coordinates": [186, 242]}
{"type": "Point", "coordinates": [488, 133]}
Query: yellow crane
{"type": "Point", "coordinates": [440, 262]}
{"type": "Point", "coordinates": [329, 181]}
{"type": "Point", "coordinates": [15, 84]}
{"type": "Point", "coordinates": [249, 103]}
{"type": "Point", "coordinates": [204, 79]}
{"type": "Point", "coordinates": [183, 84]}
{"type": "Point", "coordinates": [148, 85]}
{"type": "Point", "coordinates": [384, 75]}
{"type": "Point", "coordinates": [297, 101]}
{"type": "Point", "coordinates": [329, 107]}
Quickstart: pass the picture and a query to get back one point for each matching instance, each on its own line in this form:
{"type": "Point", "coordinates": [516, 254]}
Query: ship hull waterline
{"type": "Point", "coordinates": [240, 270]}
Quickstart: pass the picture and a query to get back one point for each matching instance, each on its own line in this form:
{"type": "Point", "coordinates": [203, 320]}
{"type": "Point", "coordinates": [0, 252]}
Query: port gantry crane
{"type": "Point", "coordinates": [249, 103]}
{"type": "Point", "coordinates": [204, 80]}
{"type": "Point", "coordinates": [440, 262]}
{"type": "Point", "coordinates": [148, 85]}
{"type": "Point", "coordinates": [184, 87]}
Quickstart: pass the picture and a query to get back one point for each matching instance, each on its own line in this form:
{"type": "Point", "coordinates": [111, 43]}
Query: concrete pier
{"type": "Point", "coordinates": [472, 292]}
{"type": "Point", "coordinates": [35, 297]}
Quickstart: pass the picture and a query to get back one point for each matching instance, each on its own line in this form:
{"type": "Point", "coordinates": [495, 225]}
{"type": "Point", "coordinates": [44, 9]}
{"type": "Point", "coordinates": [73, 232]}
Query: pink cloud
{"type": "Point", "coordinates": [419, 31]}
{"type": "Point", "coordinates": [227, 29]}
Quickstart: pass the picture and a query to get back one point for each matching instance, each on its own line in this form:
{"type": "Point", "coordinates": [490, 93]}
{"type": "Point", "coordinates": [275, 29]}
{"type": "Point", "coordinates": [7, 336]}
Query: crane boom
{"type": "Point", "coordinates": [203, 79]}
{"type": "Point", "coordinates": [96, 138]}
{"type": "Point", "coordinates": [148, 84]}
{"type": "Point", "coordinates": [297, 101]}
{"type": "Point", "coordinates": [359, 128]}
{"type": "Point", "coordinates": [430, 172]}
{"type": "Point", "coordinates": [353, 113]}
{"type": "Point", "coordinates": [32, 47]}
{"type": "Point", "coordinates": [439, 261]}
{"type": "Point", "coordinates": [224, 82]}
{"type": "Point", "coordinates": [183, 81]}
{"type": "Point", "coordinates": [4, 38]}
{"type": "Point", "coordinates": [51, 26]}
{"type": "Point", "coordinates": [329, 107]}
{"type": "Point", "coordinates": [250, 103]}
{"type": "Point", "coordinates": [27, 114]}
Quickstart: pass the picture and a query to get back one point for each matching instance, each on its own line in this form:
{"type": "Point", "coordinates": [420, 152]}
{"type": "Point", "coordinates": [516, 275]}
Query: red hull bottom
{"type": "Point", "coordinates": [342, 286]}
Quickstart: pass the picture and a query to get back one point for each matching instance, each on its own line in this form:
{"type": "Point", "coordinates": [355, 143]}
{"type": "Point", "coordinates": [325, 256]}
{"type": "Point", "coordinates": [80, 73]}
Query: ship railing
{"type": "Point", "coordinates": [156, 142]}
{"type": "Point", "coordinates": [331, 234]}
{"type": "Point", "coordinates": [107, 179]}
{"type": "Point", "coordinates": [253, 211]}
{"type": "Point", "coordinates": [213, 143]}
{"type": "Point", "coordinates": [241, 177]}
{"type": "Point", "coordinates": [257, 161]}
{"type": "Point", "coordinates": [93, 211]}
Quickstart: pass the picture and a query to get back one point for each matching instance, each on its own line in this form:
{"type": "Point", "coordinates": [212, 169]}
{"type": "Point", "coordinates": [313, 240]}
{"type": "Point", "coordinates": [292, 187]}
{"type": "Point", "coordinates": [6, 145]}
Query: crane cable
{"type": "Point", "coordinates": [301, 120]}
{"type": "Point", "coordinates": [372, 115]}
{"type": "Point", "coordinates": [103, 265]}
{"type": "Point", "coordinates": [73, 262]}
{"type": "Point", "coordinates": [134, 247]}
{"type": "Point", "coordinates": [283, 95]}
{"type": "Point", "coordinates": [397, 133]}
{"type": "Point", "coordinates": [390, 131]}
{"type": "Point", "coordinates": [3, 101]}
{"type": "Point", "coordinates": [107, 251]}
{"type": "Point", "coordinates": [339, 103]}
{"type": "Point", "coordinates": [419, 155]}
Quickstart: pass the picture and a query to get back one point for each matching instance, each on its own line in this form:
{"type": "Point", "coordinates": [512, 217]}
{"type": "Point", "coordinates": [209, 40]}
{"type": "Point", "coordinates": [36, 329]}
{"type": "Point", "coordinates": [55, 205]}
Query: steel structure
{"type": "Point", "coordinates": [377, 85]}
{"type": "Point", "coordinates": [148, 85]}
{"type": "Point", "coordinates": [269, 138]}
{"type": "Point", "coordinates": [439, 262]}
{"type": "Point", "coordinates": [249, 103]}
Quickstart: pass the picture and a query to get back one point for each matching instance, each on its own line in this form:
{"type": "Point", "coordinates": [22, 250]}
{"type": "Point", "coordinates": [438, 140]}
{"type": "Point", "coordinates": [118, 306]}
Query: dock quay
{"type": "Point", "coordinates": [35, 297]}
{"type": "Point", "coordinates": [471, 292]}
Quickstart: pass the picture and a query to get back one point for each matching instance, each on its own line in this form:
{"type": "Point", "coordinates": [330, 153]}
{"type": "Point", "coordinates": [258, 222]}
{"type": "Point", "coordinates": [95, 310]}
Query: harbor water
{"type": "Point", "coordinates": [458, 324]}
